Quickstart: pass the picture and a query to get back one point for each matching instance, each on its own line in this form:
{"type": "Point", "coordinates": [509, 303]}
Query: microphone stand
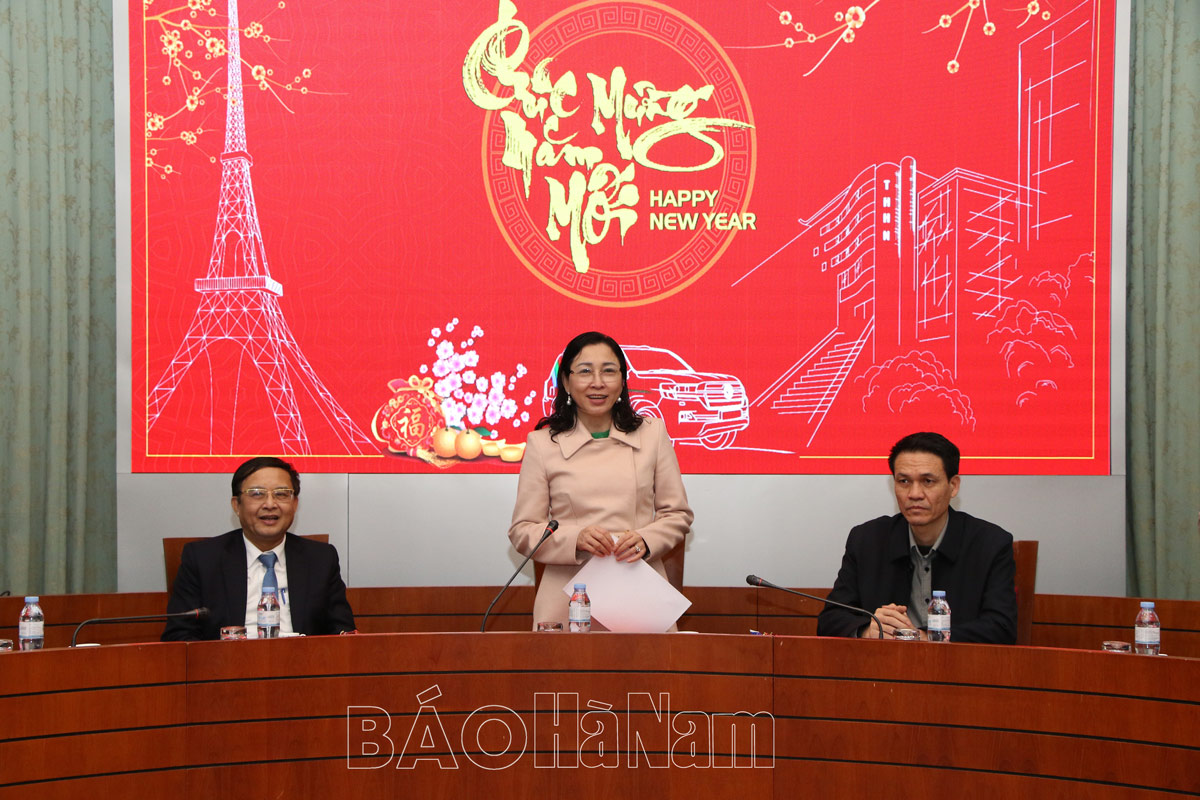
{"type": "Point", "coordinates": [551, 527]}
{"type": "Point", "coordinates": [754, 580]}
{"type": "Point", "coordinates": [198, 613]}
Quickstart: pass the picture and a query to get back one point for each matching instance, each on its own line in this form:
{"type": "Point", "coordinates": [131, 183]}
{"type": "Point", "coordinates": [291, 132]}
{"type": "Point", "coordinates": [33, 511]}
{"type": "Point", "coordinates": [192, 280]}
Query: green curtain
{"type": "Point", "coordinates": [58, 303]}
{"type": "Point", "coordinates": [1163, 402]}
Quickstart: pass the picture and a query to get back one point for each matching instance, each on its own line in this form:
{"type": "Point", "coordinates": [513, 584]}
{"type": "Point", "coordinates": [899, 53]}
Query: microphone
{"type": "Point", "coordinates": [195, 613]}
{"type": "Point", "coordinates": [551, 527]}
{"type": "Point", "coordinates": [754, 580]}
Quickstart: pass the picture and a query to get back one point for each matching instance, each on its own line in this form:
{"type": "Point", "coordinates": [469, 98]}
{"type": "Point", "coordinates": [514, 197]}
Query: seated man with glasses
{"type": "Point", "coordinates": [226, 573]}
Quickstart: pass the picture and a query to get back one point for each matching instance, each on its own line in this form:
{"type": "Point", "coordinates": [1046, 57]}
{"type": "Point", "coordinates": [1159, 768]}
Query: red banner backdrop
{"type": "Point", "coordinates": [364, 232]}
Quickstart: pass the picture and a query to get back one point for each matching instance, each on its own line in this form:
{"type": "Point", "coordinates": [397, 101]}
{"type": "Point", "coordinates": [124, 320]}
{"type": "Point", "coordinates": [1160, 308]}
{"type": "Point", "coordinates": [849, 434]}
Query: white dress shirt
{"type": "Point", "coordinates": [256, 571]}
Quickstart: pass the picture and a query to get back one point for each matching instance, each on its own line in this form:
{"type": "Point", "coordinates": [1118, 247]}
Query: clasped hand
{"type": "Point", "coordinates": [891, 616]}
{"type": "Point", "coordinates": [626, 546]}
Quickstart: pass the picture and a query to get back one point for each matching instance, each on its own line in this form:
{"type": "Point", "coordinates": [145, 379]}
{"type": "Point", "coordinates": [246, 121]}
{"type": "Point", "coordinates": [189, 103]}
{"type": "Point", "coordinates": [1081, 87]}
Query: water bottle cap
{"type": "Point", "coordinates": [33, 598]}
{"type": "Point", "coordinates": [1147, 604]}
{"type": "Point", "coordinates": [939, 593]}
{"type": "Point", "coordinates": [581, 587]}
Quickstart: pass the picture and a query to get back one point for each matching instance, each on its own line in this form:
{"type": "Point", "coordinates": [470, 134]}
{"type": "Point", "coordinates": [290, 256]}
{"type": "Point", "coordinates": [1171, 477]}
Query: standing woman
{"type": "Point", "coordinates": [607, 475]}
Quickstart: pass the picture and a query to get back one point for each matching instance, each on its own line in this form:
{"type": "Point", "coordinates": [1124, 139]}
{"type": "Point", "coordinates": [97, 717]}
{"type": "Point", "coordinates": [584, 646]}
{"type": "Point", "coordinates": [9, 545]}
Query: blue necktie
{"type": "Point", "coordinates": [270, 582]}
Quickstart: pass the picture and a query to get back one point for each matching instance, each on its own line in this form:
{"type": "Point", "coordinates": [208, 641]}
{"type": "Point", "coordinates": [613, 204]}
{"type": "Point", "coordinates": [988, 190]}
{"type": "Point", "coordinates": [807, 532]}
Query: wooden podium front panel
{"type": "Point", "coordinates": [1062, 620]}
{"type": "Point", "coordinates": [433, 609]}
{"type": "Point", "coordinates": [786, 614]}
{"type": "Point", "coordinates": [719, 609]}
{"type": "Point", "coordinates": [505, 714]}
{"type": "Point", "coordinates": [87, 722]}
{"type": "Point", "coordinates": [447, 701]}
{"type": "Point", "coordinates": [65, 611]}
{"type": "Point", "coordinates": [921, 718]}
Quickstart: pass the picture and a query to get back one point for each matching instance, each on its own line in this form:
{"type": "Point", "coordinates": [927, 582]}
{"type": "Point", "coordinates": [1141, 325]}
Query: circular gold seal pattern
{"type": "Point", "coordinates": [672, 242]}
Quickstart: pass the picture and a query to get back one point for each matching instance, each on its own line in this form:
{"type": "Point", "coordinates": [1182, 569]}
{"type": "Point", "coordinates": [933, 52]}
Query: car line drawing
{"type": "Point", "coordinates": [705, 407]}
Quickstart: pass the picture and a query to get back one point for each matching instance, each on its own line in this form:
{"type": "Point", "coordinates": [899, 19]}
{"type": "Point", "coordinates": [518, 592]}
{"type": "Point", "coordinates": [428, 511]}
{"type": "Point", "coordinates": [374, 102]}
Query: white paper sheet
{"type": "Point", "coordinates": [629, 597]}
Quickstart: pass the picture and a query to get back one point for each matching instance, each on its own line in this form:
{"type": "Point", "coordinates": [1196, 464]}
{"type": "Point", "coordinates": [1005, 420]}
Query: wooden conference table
{"type": "Point", "coordinates": [683, 715]}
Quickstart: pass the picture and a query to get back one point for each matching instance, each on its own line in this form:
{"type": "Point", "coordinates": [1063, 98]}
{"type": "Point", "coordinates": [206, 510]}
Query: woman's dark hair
{"type": "Point", "coordinates": [562, 418]}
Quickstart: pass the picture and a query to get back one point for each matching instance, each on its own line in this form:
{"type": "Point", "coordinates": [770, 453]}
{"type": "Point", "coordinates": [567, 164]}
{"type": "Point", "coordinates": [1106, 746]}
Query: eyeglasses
{"type": "Point", "coordinates": [258, 493]}
{"type": "Point", "coordinates": [608, 374]}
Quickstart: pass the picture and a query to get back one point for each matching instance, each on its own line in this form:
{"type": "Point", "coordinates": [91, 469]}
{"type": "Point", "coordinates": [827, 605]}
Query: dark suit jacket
{"type": "Point", "coordinates": [212, 573]}
{"type": "Point", "coordinates": [974, 565]}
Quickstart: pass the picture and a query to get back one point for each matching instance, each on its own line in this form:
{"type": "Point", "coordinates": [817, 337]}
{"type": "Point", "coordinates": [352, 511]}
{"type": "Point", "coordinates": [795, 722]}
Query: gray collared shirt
{"type": "Point", "coordinates": [922, 578]}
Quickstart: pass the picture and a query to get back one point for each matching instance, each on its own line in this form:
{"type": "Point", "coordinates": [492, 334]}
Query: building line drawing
{"type": "Point", "coordinates": [1042, 106]}
{"type": "Point", "coordinates": [239, 302]}
{"type": "Point", "coordinates": [813, 394]}
{"type": "Point", "coordinates": [898, 249]}
{"type": "Point", "coordinates": [792, 370]}
{"type": "Point", "coordinates": [908, 258]}
{"type": "Point", "coordinates": [901, 250]}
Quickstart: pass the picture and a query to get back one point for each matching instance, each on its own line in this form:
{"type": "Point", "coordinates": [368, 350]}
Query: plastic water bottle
{"type": "Point", "coordinates": [1146, 630]}
{"type": "Point", "coordinates": [268, 615]}
{"type": "Point", "coordinates": [939, 618]}
{"type": "Point", "coordinates": [31, 627]}
{"type": "Point", "coordinates": [579, 613]}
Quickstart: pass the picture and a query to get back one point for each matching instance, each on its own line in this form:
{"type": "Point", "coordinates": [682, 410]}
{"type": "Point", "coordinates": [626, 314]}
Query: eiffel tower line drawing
{"type": "Point", "coordinates": [239, 300]}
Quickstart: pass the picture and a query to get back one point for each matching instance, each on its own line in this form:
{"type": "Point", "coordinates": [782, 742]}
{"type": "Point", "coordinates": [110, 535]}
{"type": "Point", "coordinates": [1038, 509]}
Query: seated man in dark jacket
{"type": "Point", "coordinates": [893, 564]}
{"type": "Point", "coordinates": [225, 573]}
